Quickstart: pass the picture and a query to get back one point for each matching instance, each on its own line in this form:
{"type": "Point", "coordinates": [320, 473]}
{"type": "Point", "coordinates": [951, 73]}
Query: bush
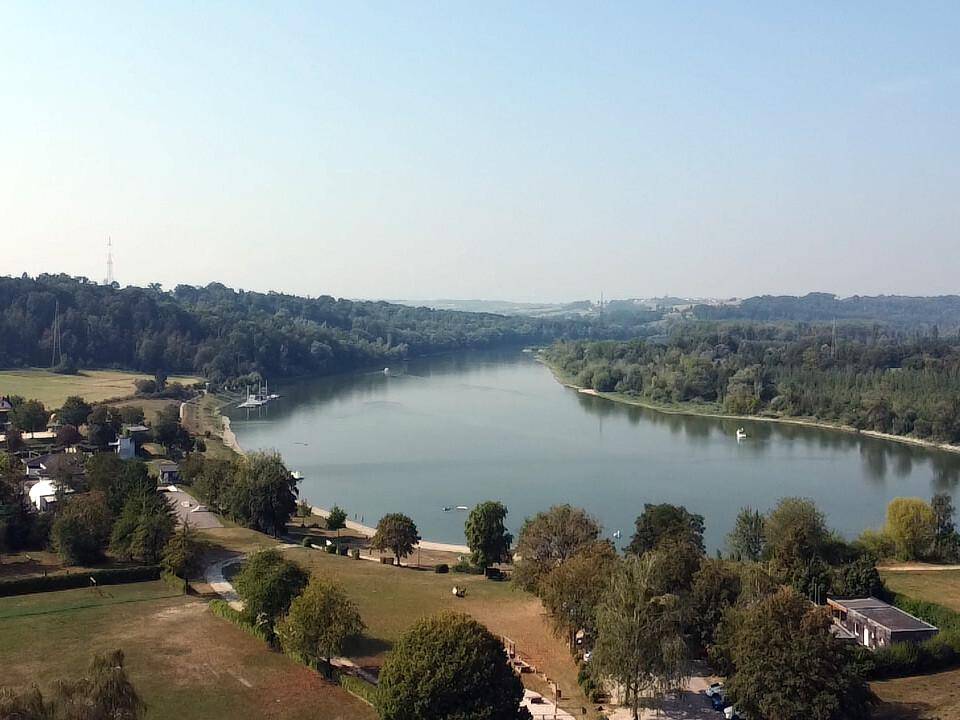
{"type": "Point", "coordinates": [221, 608]}
{"type": "Point", "coordinates": [355, 686]}
{"type": "Point", "coordinates": [465, 567]}
{"type": "Point", "coordinates": [355, 553]}
{"type": "Point", "coordinates": [442, 568]}
{"type": "Point", "coordinates": [331, 549]}
{"type": "Point", "coordinates": [49, 583]}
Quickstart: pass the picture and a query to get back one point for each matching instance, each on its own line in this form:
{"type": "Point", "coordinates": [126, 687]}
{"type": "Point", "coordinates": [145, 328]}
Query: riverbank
{"type": "Point", "coordinates": [709, 412]}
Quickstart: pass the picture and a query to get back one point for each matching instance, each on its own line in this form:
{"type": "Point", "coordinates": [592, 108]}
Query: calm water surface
{"type": "Point", "coordinates": [462, 429]}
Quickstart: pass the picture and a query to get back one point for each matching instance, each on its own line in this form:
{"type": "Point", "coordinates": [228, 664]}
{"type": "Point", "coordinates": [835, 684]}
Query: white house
{"type": "Point", "coordinates": [43, 494]}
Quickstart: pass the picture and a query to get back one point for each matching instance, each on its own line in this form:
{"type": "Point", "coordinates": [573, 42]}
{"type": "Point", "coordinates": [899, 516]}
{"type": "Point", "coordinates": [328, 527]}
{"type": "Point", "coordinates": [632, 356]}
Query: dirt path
{"type": "Point", "coordinates": [917, 567]}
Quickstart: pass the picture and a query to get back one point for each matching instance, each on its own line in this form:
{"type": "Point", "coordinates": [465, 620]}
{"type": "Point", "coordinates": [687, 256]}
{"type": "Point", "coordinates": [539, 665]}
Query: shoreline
{"type": "Point", "coordinates": [695, 412]}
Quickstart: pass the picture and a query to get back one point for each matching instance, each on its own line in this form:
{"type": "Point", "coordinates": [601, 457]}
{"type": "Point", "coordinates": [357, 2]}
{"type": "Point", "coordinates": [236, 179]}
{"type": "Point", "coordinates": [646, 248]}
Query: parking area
{"type": "Point", "coordinates": [188, 510]}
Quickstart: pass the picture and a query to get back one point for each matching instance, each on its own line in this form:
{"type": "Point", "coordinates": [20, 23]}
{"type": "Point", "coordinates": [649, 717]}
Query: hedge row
{"type": "Point", "coordinates": [937, 653]}
{"type": "Point", "coordinates": [221, 608]}
{"type": "Point", "coordinates": [361, 688]}
{"type": "Point", "coordinates": [50, 583]}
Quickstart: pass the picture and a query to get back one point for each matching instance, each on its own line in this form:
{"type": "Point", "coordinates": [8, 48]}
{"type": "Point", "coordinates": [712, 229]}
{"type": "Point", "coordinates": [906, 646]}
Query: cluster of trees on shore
{"type": "Point", "coordinates": [649, 612]}
{"type": "Point", "coordinates": [221, 333]}
{"type": "Point", "coordinates": [872, 379]}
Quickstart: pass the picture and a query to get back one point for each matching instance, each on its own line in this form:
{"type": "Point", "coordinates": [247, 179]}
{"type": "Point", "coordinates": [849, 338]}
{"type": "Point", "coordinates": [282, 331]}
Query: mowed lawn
{"type": "Point", "coordinates": [186, 663]}
{"type": "Point", "coordinates": [92, 385]}
{"type": "Point", "coordinates": [937, 586]}
{"type": "Point", "coordinates": [923, 697]}
{"type": "Point", "coordinates": [391, 599]}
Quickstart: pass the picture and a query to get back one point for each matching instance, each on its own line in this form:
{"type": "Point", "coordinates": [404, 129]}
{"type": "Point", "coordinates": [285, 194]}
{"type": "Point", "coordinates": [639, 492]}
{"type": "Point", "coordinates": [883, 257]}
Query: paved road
{"type": "Point", "coordinates": [185, 505]}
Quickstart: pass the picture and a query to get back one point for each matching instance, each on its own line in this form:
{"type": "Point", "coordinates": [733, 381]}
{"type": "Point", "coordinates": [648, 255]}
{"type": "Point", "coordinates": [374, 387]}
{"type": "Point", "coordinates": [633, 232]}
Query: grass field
{"type": "Point", "coordinates": [923, 697]}
{"type": "Point", "coordinates": [52, 389]}
{"type": "Point", "coordinates": [937, 586]}
{"type": "Point", "coordinates": [186, 663]}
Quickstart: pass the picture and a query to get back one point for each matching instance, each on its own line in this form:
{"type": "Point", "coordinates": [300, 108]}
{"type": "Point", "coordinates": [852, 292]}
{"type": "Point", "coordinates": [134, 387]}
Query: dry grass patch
{"type": "Point", "coordinates": [186, 663]}
{"type": "Point", "coordinates": [925, 697]}
{"type": "Point", "coordinates": [92, 385]}
{"type": "Point", "coordinates": [936, 586]}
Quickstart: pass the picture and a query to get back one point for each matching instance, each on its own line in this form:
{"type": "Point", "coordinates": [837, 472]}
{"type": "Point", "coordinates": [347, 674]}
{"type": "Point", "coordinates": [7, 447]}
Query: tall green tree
{"type": "Point", "coordinates": [321, 620]}
{"type": "Point", "coordinates": [144, 527]}
{"type": "Point", "coordinates": [267, 584]}
{"type": "Point", "coordinates": [745, 541]}
{"type": "Point", "coordinates": [794, 520]}
{"type": "Point", "coordinates": [397, 534]}
{"type": "Point", "coordinates": [449, 667]}
{"type": "Point", "coordinates": [716, 587]}
{"type": "Point", "coordinates": [74, 411]}
{"type": "Point", "coordinates": [665, 522]}
{"type": "Point", "coordinates": [81, 530]}
{"type": "Point", "coordinates": [183, 554]}
{"type": "Point", "coordinates": [572, 592]}
{"type": "Point", "coordinates": [336, 520]}
{"type": "Point", "coordinates": [549, 539]}
{"type": "Point", "coordinates": [30, 416]}
{"type": "Point", "coordinates": [789, 666]}
{"type": "Point", "coordinates": [912, 525]}
{"type": "Point", "coordinates": [486, 534]}
{"type": "Point", "coordinates": [263, 492]}
{"type": "Point", "coordinates": [640, 640]}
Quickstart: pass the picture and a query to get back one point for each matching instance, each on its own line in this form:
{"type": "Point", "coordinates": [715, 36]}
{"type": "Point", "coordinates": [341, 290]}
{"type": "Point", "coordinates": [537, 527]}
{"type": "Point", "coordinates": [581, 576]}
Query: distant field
{"type": "Point", "coordinates": [186, 663]}
{"type": "Point", "coordinates": [937, 586]}
{"type": "Point", "coordinates": [52, 389]}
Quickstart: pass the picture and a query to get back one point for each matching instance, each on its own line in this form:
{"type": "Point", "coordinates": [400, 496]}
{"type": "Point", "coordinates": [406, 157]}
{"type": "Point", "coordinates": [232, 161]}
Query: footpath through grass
{"type": "Point", "coordinates": [186, 663]}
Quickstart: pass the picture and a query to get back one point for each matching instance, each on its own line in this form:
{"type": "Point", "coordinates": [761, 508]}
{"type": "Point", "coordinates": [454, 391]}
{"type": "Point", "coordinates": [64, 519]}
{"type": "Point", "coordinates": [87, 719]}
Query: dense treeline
{"type": "Point", "coordinates": [896, 310]}
{"type": "Point", "coordinates": [222, 333]}
{"type": "Point", "coordinates": [900, 383]}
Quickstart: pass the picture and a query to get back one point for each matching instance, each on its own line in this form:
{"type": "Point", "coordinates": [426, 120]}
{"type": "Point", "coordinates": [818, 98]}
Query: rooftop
{"type": "Point", "coordinates": [884, 614]}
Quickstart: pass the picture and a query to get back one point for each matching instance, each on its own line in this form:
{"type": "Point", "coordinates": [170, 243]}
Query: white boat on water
{"type": "Point", "coordinates": [741, 434]}
{"type": "Point", "coordinates": [259, 398]}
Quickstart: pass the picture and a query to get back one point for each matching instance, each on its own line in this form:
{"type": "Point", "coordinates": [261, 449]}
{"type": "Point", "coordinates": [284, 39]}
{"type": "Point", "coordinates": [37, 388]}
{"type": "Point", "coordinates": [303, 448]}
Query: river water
{"type": "Point", "coordinates": [457, 430]}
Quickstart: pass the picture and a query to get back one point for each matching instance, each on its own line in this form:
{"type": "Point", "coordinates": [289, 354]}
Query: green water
{"type": "Point", "coordinates": [458, 430]}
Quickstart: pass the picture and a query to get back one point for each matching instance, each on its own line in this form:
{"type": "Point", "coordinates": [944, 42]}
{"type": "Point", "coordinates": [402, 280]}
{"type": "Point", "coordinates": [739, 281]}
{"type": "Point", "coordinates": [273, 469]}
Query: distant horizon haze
{"type": "Point", "coordinates": [536, 152]}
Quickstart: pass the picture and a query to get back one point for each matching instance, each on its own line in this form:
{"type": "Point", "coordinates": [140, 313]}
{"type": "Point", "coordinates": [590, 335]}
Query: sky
{"type": "Point", "coordinates": [529, 151]}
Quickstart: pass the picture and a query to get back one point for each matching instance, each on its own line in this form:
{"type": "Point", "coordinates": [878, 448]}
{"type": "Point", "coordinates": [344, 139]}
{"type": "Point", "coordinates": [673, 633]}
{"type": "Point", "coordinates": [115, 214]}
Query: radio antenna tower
{"type": "Point", "coordinates": [109, 278]}
{"type": "Point", "coordinates": [57, 349]}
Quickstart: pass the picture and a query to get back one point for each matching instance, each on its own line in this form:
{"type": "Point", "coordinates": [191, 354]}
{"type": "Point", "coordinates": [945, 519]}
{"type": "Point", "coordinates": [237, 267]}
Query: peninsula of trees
{"type": "Point", "coordinates": [871, 378]}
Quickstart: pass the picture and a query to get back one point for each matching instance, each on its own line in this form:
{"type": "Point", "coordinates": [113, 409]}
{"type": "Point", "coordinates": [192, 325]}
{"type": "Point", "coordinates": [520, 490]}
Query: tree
{"type": "Point", "coordinates": [448, 667]}
{"type": "Point", "coordinates": [857, 579]}
{"type": "Point", "coordinates": [665, 522]}
{"type": "Point", "coordinates": [29, 416]}
{"type": "Point", "coordinates": [746, 539]}
{"type": "Point", "coordinates": [946, 534]}
{"type": "Point", "coordinates": [320, 622]}
{"type": "Point", "coordinates": [75, 411]}
{"type": "Point", "coordinates": [487, 536]}
{"type": "Point", "coordinates": [81, 529]}
{"type": "Point", "coordinates": [912, 525]}
{"type": "Point", "coordinates": [549, 539]}
{"type": "Point", "coordinates": [395, 533]}
{"type": "Point", "coordinates": [14, 440]}
{"type": "Point", "coordinates": [144, 527]}
{"type": "Point", "coordinates": [166, 426]}
{"type": "Point", "coordinates": [118, 479]}
{"type": "Point", "coordinates": [789, 666]}
{"type": "Point", "coordinates": [131, 415]}
{"type": "Point", "coordinates": [184, 553]}
{"type": "Point", "coordinates": [716, 587]}
{"type": "Point", "coordinates": [263, 493]}
{"type": "Point", "coordinates": [336, 520]}
{"type": "Point", "coordinates": [103, 424]}
{"type": "Point", "coordinates": [640, 642]}
{"type": "Point", "coordinates": [105, 693]}
{"type": "Point", "coordinates": [68, 435]}
{"type": "Point", "coordinates": [571, 592]}
{"type": "Point", "coordinates": [267, 584]}
{"type": "Point", "coordinates": [794, 520]}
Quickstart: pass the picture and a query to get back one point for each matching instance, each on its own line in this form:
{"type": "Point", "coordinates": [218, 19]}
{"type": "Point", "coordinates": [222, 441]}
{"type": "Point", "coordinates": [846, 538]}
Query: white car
{"type": "Point", "coordinates": [714, 689]}
{"type": "Point", "coordinates": [731, 713]}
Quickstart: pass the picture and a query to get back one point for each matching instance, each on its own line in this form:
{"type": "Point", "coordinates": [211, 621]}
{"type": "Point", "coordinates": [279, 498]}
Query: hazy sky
{"type": "Point", "coordinates": [515, 150]}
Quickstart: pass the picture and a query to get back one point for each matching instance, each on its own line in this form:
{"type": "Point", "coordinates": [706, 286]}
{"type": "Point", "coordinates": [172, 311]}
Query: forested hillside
{"type": "Point", "coordinates": [890, 382]}
{"type": "Point", "coordinates": [222, 333]}
{"type": "Point", "coordinates": [892, 310]}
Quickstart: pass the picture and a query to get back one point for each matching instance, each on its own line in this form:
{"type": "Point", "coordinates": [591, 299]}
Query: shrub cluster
{"type": "Point", "coordinates": [48, 583]}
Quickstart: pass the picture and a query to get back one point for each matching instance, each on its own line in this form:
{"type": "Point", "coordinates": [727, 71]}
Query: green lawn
{"type": "Point", "coordinates": [937, 586]}
{"type": "Point", "coordinates": [52, 389]}
{"type": "Point", "coordinates": [186, 663]}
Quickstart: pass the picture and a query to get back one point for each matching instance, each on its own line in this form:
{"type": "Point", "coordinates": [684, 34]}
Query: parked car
{"type": "Point", "coordinates": [718, 701]}
{"type": "Point", "coordinates": [713, 689]}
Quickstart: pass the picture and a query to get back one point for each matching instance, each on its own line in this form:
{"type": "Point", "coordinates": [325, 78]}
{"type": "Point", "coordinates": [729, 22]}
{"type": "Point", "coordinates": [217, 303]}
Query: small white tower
{"type": "Point", "coordinates": [109, 279]}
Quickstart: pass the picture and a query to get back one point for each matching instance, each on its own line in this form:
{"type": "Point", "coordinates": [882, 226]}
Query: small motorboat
{"type": "Point", "coordinates": [447, 509]}
{"type": "Point", "coordinates": [741, 434]}
{"type": "Point", "coordinates": [462, 507]}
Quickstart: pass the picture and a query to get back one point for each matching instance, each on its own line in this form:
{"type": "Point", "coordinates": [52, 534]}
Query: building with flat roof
{"type": "Point", "coordinates": [876, 624]}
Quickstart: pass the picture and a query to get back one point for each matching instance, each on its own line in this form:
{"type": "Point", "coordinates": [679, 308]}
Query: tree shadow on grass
{"type": "Point", "coordinates": [366, 647]}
